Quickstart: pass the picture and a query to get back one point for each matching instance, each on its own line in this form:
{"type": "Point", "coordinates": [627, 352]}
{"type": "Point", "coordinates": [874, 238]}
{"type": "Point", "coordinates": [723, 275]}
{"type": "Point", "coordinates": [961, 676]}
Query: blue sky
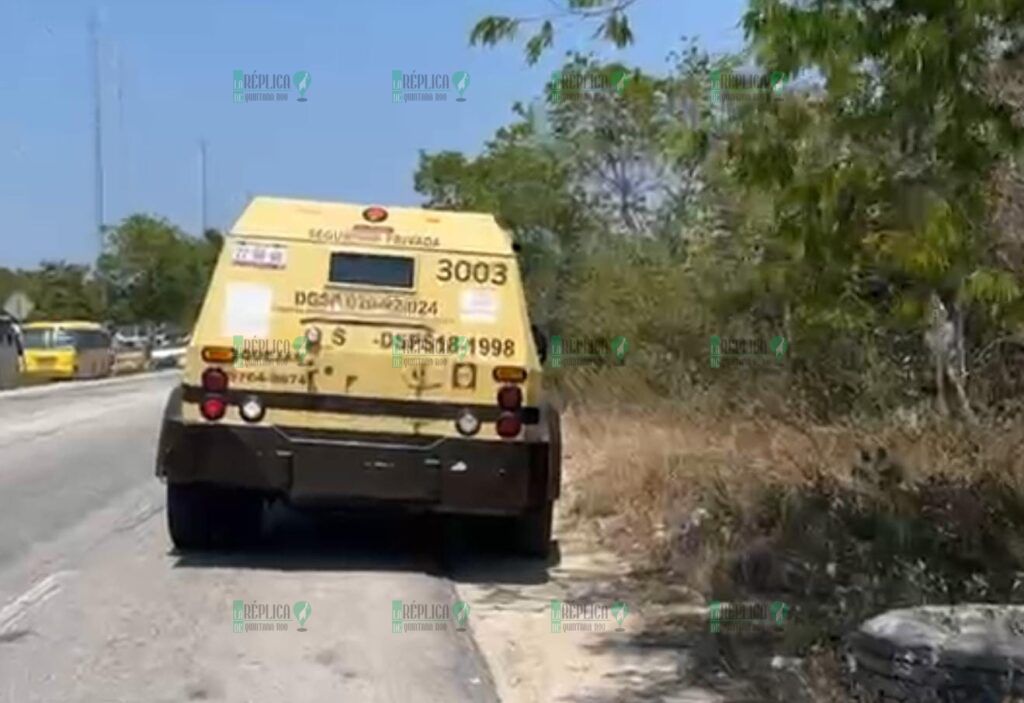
{"type": "Point", "coordinates": [167, 69]}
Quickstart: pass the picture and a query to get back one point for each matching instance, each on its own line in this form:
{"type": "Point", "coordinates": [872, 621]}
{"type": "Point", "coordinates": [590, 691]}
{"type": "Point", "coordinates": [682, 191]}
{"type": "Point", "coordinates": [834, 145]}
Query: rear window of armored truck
{"type": "Point", "coordinates": [372, 270]}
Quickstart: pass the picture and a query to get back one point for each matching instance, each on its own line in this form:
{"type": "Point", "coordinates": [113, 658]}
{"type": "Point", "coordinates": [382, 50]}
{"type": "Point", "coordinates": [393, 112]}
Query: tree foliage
{"type": "Point", "coordinates": [526, 185]}
{"type": "Point", "coordinates": [879, 180]}
{"type": "Point", "coordinates": [148, 271]}
{"type": "Point", "coordinates": [613, 25]}
{"type": "Point", "coordinates": [61, 290]}
{"type": "Point", "coordinates": [154, 272]}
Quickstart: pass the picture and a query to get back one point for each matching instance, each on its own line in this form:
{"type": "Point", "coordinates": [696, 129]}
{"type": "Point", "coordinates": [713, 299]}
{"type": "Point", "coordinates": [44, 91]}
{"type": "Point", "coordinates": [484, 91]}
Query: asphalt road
{"type": "Point", "coordinates": [95, 604]}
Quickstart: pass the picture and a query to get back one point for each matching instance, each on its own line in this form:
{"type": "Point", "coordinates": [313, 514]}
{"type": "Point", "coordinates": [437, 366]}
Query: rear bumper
{"type": "Point", "coordinates": [345, 469]}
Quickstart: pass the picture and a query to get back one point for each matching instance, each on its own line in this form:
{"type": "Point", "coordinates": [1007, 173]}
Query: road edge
{"type": "Point", "coordinates": [49, 388]}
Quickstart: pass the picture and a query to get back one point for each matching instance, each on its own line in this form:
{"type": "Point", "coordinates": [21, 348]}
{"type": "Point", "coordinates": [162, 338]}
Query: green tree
{"type": "Point", "coordinates": [11, 281]}
{"type": "Point", "coordinates": [613, 25]}
{"type": "Point", "coordinates": [893, 189]}
{"type": "Point", "coordinates": [865, 204]}
{"type": "Point", "coordinates": [635, 145]}
{"type": "Point", "coordinates": [153, 272]}
{"type": "Point", "coordinates": [527, 187]}
{"type": "Point", "coordinates": [62, 291]}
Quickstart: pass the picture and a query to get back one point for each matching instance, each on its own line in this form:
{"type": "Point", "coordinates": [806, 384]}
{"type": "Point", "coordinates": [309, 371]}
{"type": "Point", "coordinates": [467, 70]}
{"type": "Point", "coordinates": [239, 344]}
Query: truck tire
{"type": "Point", "coordinates": [555, 452]}
{"type": "Point", "coordinates": [188, 512]}
{"type": "Point", "coordinates": [533, 532]}
{"type": "Point", "coordinates": [202, 517]}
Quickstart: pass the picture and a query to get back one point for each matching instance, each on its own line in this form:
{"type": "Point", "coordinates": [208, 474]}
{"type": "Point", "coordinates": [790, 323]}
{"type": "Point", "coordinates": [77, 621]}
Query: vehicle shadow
{"type": "Point", "coordinates": [466, 550]}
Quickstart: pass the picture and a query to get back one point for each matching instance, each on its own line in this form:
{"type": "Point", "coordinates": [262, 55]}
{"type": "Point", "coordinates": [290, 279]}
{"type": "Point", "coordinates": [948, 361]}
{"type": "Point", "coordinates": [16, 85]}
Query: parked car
{"type": "Point", "coordinates": [168, 352]}
{"type": "Point", "coordinates": [11, 351]}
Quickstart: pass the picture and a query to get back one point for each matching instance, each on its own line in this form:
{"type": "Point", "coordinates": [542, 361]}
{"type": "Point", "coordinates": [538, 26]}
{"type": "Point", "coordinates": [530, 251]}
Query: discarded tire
{"type": "Point", "coordinates": [971, 652]}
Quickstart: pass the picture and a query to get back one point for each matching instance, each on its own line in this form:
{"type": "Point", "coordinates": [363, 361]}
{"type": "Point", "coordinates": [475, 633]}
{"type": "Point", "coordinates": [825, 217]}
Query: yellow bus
{"type": "Point", "coordinates": [67, 349]}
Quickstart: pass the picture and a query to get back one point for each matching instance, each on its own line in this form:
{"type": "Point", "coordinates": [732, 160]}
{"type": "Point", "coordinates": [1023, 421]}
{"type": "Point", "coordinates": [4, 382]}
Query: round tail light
{"type": "Point", "coordinates": [252, 409]}
{"type": "Point", "coordinates": [508, 425]}
{"type": "Point", "coordinates": [467, 423]}
{"type": "Point", "coordinates": [215, 381]}
{"type": "Point", "coordinates": [510, 397]}
{"type": "Point", "coordinates": [213, 407]}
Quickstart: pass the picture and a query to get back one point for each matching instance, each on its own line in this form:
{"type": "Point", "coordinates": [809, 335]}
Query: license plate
{"type": "Point", "coordinates": [260, 255]}
{"type": "Point", "coordinates": [45, 360]}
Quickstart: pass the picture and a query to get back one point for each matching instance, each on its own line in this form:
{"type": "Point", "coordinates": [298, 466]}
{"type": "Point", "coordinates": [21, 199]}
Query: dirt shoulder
{"type": "Point", "coordinates": [602, 649]}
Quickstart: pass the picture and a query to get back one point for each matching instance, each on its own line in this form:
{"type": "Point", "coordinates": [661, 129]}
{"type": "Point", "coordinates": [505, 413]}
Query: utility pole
{"type": "Point", "coordinates": [98, 126]}
{"type": "Point", "coordinates": [202, 186]}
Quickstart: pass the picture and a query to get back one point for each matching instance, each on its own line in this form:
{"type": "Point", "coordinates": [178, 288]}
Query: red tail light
{"type": "Point", "coordinates": [215, 381]}
{"type": "Point", "coordinates": [510, 397]}
{"type": "Point", "coordinates": [508, 425]}
{"type": "Point", "coordinates": [213, 407]}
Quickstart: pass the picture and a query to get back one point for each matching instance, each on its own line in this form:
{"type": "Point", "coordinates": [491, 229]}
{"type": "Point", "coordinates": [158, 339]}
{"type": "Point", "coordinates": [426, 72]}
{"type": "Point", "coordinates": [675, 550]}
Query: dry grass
{"type": "Point", "coordinates": [762, 503]}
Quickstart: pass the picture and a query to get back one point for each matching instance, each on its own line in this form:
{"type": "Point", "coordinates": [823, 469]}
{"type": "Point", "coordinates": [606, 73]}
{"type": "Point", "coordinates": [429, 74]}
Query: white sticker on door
{"type": "Point", "coordinates": [246, 310]}
{"type": "Point", "coordinates": [478, 305]}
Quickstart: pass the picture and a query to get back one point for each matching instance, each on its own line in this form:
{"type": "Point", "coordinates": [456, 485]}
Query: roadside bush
{"type": "Point", "coordinates": [841, 521]}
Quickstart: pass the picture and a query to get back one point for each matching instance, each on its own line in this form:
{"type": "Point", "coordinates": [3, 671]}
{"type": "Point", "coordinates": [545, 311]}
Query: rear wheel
{"type": "Point", "coordinates": [555, 451]}
{"type": "Point", "coordinates": [533, 532]}
{"type": "Point", "coordinates": [201, 517]}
